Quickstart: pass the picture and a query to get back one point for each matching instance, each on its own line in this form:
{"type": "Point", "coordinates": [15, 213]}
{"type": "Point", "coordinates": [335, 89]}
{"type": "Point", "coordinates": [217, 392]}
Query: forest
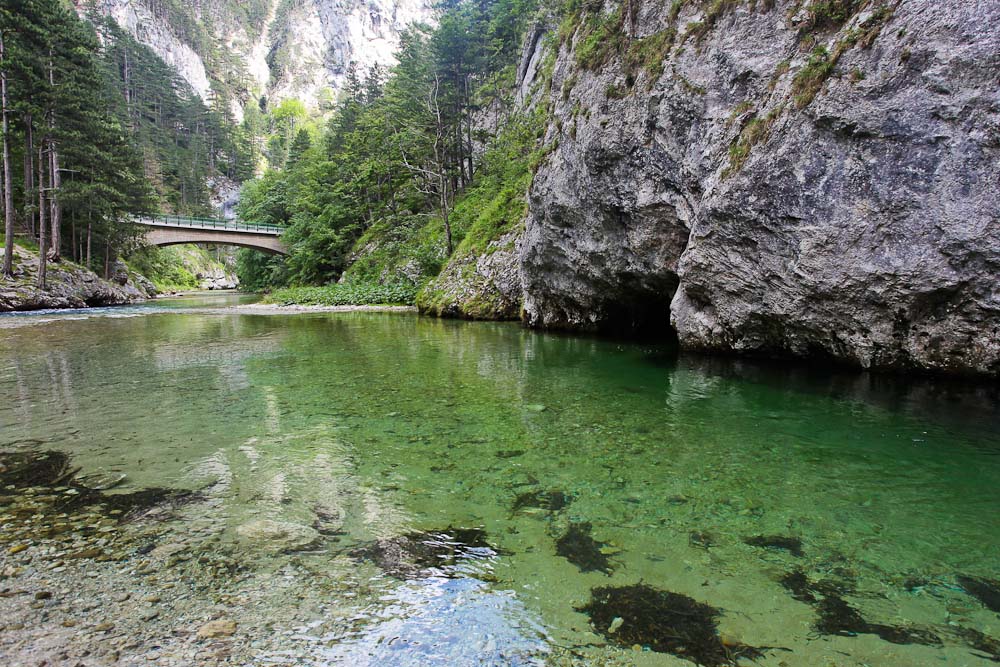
{"type": "Point", "coordinates": [403, 167]}
{"type": "Point", "coordinates": [97, 129]}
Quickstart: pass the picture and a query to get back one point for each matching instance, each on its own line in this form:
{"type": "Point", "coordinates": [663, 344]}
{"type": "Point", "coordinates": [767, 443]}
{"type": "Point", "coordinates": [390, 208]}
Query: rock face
{"type": "Point", "coordinates": [295, 49]}
{"type": "Point", "coordinates": [148, 28]}
{"type": "Point", "coordinates": [780, 182]}
{"type": "Point", "coordinates": [217, 280]}
{"type": "Point", "coordinates": [316, 43]}
{"type": "Point", "coordinates": [69, 286]}
{"type": "Point", "coordinates": [481, 287]}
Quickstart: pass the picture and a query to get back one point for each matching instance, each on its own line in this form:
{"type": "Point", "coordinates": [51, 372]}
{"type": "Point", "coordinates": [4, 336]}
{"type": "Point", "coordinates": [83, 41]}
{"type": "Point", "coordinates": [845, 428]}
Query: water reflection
{"type": "Point", "coordinates": [327, 448]}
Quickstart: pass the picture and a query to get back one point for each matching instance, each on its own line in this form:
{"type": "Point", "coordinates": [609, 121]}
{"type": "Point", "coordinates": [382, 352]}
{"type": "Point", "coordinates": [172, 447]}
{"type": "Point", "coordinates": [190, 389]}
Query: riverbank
{"type": "Point", "coordinates": [285, 309]}
{"type": "Point", "coordinates": [69, 285]}
{"type": "Point", "coordinates": [348, 294]}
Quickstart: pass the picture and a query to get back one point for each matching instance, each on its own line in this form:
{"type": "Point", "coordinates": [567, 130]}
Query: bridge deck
{"type": "Point", "coordinates": [185, 222]}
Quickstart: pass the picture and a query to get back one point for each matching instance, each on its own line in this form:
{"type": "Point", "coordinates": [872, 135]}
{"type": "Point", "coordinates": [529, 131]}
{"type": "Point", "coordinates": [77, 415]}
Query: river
{"type": "Point", "coordinates": [386, 489]}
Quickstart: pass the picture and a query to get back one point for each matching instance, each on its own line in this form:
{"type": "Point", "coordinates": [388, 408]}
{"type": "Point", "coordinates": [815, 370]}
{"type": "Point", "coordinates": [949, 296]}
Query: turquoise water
{"type": "Point", "coordinates": [335, 453]}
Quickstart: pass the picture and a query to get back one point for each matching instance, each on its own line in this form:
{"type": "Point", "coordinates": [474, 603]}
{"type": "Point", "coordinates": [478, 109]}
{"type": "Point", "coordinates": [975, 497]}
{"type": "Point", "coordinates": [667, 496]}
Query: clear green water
{"type": "Point", "coordinates": [371, 426]}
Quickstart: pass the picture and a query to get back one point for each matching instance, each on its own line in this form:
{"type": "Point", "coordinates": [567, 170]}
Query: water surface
{"type": "Point", "coordinates": [399, 490]}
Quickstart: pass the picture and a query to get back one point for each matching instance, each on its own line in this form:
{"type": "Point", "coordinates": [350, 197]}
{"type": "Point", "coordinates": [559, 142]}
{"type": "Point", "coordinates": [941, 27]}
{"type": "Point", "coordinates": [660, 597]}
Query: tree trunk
{"type": "Point", "coordinates": [55, 182]}
{"type": "Point", "coordinates": [55, 179]}
{"type": "Point", "coordinates": [29, 176]}
{"type": "Point", "coordinates": [88, 239]}
{"type": "Point", "coordinates": [8, 179]}
{"type": "Point", "coordinates": [444, 215]}
{"type": "Point", "coordinates": [42, 222]}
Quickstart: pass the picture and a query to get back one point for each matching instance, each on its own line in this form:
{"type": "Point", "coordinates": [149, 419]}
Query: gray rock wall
{"type": "Point", "coordinates": [863, 225]}
{"type": "Point", "coordinates": [69, 286]}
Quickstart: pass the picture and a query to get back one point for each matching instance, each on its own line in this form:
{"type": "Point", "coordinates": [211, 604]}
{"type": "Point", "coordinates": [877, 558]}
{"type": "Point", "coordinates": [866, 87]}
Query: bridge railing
{"type": "Point", "coordinates": [211, 223]}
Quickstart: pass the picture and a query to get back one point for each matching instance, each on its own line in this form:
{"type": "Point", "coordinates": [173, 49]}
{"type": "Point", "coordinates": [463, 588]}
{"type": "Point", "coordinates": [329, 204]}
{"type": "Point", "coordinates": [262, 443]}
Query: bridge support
{"type": "Point", "coordinates": [164, 236]}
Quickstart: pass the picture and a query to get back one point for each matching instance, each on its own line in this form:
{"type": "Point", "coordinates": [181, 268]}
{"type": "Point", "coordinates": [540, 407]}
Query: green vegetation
{"type": "Point", "coordinates": [390, 186]}
{"type": "Point", "coordinates": [826, 14]}
{"type": "Point", "coordinates": [809, 80]}
{"type": "Point", "coordinates": [164, 268]}
{"type": "Point", "coordinates": [75, 173]}
{"type": "Point", "coordinates": [713, 12]}
{"type": "Point", "coordinates": [344, 295]}
{"type": "Point", "coordinates": [754, 132]}
{"type": "Point", "coordinates": [184, 143]}
{"type": "Point", "coordinates": [601, 38]}
{"type": "Point", "coordinates": [497, 203]}
{"type": "Point", "coordinates": [175, 268]}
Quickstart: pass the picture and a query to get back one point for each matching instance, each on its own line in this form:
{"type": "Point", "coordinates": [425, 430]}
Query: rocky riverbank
{"type": "Point", "coordinates": [69, 285]}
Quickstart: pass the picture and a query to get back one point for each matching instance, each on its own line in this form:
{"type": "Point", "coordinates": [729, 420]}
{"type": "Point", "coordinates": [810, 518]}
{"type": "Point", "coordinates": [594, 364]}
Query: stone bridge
{"type": "Point", "coordinates": [164, 230]}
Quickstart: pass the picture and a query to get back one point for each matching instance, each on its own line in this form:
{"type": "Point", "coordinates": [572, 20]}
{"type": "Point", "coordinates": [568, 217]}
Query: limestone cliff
{"type": "Point", "coordinates": [278, 49]}
{"type": "Point", "coordinates": [775, 178]}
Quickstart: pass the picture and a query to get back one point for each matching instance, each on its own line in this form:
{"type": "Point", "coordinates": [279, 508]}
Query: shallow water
{"type": "Point", "coordinates": [367, 431]}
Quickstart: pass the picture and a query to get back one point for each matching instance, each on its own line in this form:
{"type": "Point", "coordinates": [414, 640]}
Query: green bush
{"type": "Point", "coordinates": [165, 267]}
{"type": "Point", "coordinates": [349, 294]}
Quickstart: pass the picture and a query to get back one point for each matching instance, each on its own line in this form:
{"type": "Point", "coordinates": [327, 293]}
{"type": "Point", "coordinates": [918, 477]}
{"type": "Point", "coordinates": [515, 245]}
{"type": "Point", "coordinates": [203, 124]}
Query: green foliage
{"type": "Point", "coordinates": [353, 294]}
{"type": "Point", "coordinates": [615, 92]}
{"type": "Point", "coordinates": [259, 271]}
{"type": "Point", "coordinates": [675, 9]}
{"type": "Point", "coordinates": [649, 53]}
{"type": "Point", "coordinates": [754, 132]}
{"type": "Point", "coordinates": [497, 203]}
{"type": "Point", "coordinates": [825, 14]}
{"type": "Point", "coordinates": [399, 249]}
{"type": "Point", "coordinates": [264, 200]}
{"type": "Point", "coordinates": [184, 143]}
{"type": "Point", "coordinates": [809, 80]}
{"type": "Point", "coordinates": [176, 267]}
{"type": "Point", "coordinates": [381, 187]}
{"type": "Point", "coordinates": [62, 94]}
{"type": "Point", "coordinates": [739, 110]}
{"type": "Point", "coordinates": [165, 267]}
{"type": "Point", "coordinates": [713, 12]}
{"type": "Point", "coordinates": [599, 38]}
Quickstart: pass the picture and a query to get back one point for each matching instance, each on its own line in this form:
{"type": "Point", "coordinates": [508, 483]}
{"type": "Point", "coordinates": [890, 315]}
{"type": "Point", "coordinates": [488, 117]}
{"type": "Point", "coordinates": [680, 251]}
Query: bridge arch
{"type": "Point", "coordinates": [170, 230]}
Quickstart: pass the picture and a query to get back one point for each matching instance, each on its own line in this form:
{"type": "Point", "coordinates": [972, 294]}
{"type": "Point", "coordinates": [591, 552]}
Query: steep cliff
{"type": "Point", "coordinates": [279, 49]}
{"type": "Point", "coordinates": [776, 178]}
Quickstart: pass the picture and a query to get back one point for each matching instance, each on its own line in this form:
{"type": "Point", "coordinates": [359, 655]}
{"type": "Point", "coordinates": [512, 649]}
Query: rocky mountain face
{"type": "Point", "coordinates": [282, 49]}
{"type": "Point", "coordinates": [314, 44]}
{"type": "Point", "coordinates": [773, 178]}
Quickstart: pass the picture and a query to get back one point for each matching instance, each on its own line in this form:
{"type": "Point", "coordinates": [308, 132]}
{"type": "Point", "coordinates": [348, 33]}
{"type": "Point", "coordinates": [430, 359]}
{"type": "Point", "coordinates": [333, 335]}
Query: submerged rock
{"type": "Point", "coordinates": [837, 617]}
{"type": "Point", "coordinates": [218, 628]}
{"type": "Point", "coordinates": [664, 622]}
{"type": "Point", "coordinates": [452, 552]}
{"type": "Point", "coordinates": [984, 590]}
{"type": "Point", "coordinates": [580, 548]}
{"type": "Point", "coordinates": [792, 545]}
{"type": "Point", "coordinates": [274, 535]}
{"type": "Point", "coordinates": [551, 501]}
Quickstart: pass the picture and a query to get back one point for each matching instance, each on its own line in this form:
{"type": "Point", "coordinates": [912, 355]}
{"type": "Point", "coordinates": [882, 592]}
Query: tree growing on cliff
{"type": "Point", "coordinates": [8, 182]}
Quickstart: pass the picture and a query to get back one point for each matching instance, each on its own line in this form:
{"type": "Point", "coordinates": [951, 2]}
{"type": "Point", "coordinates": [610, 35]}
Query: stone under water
{"type": "Point", "coordinates": [664, 622]}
